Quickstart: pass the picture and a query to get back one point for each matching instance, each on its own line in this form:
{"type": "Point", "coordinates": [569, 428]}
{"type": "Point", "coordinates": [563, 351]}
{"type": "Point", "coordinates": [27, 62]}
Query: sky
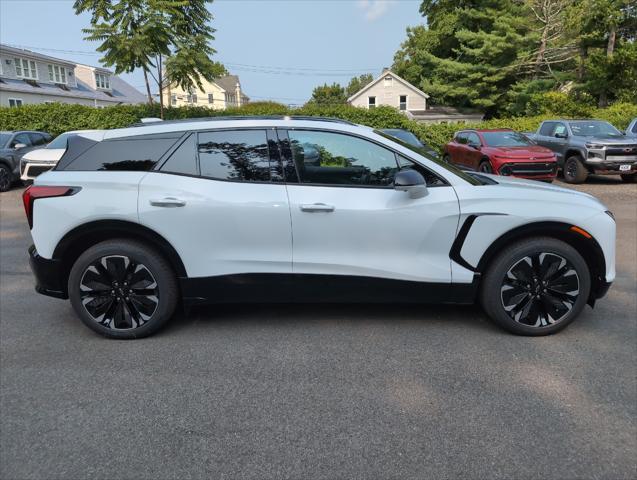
{"type": "Point", "coordinates": [281, 49]}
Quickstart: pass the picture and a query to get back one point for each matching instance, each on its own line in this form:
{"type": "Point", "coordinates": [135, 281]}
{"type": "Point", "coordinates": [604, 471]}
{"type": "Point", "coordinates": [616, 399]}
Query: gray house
{"type": "Point", "coordinates": [27, 77]}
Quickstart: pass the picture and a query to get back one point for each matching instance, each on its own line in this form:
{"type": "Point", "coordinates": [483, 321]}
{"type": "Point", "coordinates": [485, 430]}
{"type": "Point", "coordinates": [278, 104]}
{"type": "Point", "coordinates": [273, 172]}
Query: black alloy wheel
{"type": "Point", "coordinates": [5, 178]}
{"type": "Point", "coordinates": [540, 289]}
{"type": "Point", "coordinates": [118, 292]}
{"type": "Point", "coordinates": [485, 167]}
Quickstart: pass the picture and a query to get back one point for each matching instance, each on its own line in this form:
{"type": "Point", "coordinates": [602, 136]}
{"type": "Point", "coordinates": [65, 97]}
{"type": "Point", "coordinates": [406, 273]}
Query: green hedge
{"type": "Point", "coordinates": [58, 118]}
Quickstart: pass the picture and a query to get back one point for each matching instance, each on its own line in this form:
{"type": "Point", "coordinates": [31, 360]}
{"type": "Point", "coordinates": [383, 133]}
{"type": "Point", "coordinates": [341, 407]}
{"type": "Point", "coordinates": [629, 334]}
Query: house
{"type": "Point", "coordinates": [390, 89]}
{"type": "Point", "coordinates": [28, 77]}
{"type": "Point", "coordinates": [394, 91]}
{"type": "Point", "coordinates": [222, 93]}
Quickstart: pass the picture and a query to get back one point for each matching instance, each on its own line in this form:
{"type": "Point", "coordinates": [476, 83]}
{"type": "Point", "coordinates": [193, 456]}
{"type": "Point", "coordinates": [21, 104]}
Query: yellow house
{"type": "Point", "coordinates": [222, 93]}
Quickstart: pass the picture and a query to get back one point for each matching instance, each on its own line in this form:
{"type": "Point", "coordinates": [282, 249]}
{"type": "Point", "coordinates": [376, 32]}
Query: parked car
{"type": "Point", "coordinates": [44, 159]}
{"type": "Point", "coordinates": [13, 145]}
{"type": "Point", "coordinates": [584, 147]}
{"type": "Point", "coordinates": [501, 152]}
{"type": "Point", "coordinates": [408, 137]}
{"type": "Point", "coordinates": [631, 131]}
{"type": "Point", "coordinates": [131, 221]}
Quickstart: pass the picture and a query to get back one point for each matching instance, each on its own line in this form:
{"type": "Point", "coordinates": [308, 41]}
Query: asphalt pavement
{"type": "Point", "coordinates": [318, 391]}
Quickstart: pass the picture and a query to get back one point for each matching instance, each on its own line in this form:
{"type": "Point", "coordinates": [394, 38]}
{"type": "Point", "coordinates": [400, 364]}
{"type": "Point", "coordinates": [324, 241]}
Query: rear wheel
{"type": "Point", "coordinates": [485, 167]}
{"type": "Point", "coordinates": [536, 287]}
{"type": "Point", "coordinates": [574, 170]}
{"type": "Point", "coordinates": [629, 177]}
{"type": "Point", "coordinates": [123, 289]}
{"type": "Point", "coordinates": [5, 178]}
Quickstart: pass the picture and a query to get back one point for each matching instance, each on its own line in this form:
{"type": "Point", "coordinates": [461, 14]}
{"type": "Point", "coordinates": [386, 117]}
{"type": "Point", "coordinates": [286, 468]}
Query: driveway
{"type": "Point", "coordinates": [318, 391]}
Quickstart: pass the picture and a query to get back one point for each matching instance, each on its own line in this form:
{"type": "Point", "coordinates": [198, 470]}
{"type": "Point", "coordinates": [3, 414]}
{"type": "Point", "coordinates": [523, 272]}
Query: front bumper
{"type": "Point", "coordinates": [48, 275]}
{"type": "Point", "coordinates": [546, 170]}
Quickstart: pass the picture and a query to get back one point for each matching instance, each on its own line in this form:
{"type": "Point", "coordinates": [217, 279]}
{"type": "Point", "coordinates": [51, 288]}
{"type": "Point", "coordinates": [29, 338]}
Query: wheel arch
{"type": "Point", "coordinates": [574, 152]}
{"type": "Point", "coordinates": [588, 248]}
{"type": "Point", "coordinates": [78, 240]}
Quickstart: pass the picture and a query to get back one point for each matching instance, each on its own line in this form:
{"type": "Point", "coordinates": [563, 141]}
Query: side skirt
{"type": "Point", "coordinates": [308, 288]}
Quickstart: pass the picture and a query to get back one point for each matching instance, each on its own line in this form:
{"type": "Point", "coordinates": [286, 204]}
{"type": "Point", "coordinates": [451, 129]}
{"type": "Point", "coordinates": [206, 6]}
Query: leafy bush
{"type": "Point", "coordinates": [58, 118]}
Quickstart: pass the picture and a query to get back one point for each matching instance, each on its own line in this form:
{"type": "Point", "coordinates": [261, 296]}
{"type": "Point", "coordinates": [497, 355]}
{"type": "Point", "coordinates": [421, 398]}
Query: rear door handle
{"type": "Point", "coordinates": [168, 202]}
{"type": "Point", "coordinates": [317, 207]}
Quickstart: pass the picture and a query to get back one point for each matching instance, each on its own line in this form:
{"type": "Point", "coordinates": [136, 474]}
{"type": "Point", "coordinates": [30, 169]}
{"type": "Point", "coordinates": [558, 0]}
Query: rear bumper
{"type": "Point", "coordinates": [48, 275]}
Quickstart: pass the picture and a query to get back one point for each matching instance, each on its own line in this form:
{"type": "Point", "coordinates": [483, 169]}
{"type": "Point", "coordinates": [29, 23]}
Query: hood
{"type": "Point", "coordinates": [44, 155]}
{"type": "Point", "coordinates": [522, 188]}
{"type": "Point", "coordinates": [623, 140]}
{"type": "Point", "coordinates": [523, 152]}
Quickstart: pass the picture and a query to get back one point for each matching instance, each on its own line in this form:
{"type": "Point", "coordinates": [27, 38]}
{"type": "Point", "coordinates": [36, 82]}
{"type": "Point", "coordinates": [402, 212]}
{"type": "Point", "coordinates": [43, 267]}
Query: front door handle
{"type": "Point", "coordinates": [168, 202]}
{"type": "Point", "coordinates": [316, 207]}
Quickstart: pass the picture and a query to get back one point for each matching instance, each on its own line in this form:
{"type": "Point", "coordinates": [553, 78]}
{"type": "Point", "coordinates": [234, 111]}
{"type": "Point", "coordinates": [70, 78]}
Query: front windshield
{"type": "Point", "coordinates": [594, 128]}
{"type": "Point", "coordinates": [421, 151]}
{"type": "Point", "coordinates": [60, 141]}
{"type": "Point", "coordinates": [505, 139]}
{"type": "Point", "coordinates": [4, 139]}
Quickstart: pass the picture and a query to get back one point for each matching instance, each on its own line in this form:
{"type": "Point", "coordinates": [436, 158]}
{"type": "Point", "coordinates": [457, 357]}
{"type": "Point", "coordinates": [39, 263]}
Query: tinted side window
{"type": "Point", "coordinates": [184, 159]}
{"type": "Point", "coordinates": [240, 155]}
{"type": "Point", "coordinates": [338, 159]}
{"type": "Point", "coordinates": [136, 154]}
{"type": "Point", "coordinates": [547, 129]}
{"type": "Point", "coordinates": [559, 128]}
{"type": "Point", "coordinates": [635, 128]}
{"type": "Point", "coordinates": [431, 179]}
{"type": "Point", "coordinates": [37, 139]}
{"type": "Point", "coordinates": [473, 139]}
{"type": "Point", "coordinates": [461, 137]}
{"type": "Point", "coordinates": [21, 138]}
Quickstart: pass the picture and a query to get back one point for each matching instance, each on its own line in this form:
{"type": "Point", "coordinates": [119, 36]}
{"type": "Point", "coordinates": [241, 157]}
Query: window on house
{"type": "Point", "coordinates": [211, 98]}
{"type": "Point", "coordinates": [388, 81]}
{"type": "Point", "coordinates": [173, 99]}
{"type": "Point", "coordinates": [57, 74]}
{"type": "Point", "coordinates": [403, 102]}
{"type": "Point", "coordinates": [15, 102]}
{"type": "Point", "coordinates": [26, 69]}
{"type": "Point", "coordinates": [102, 81]}
{"type": "Point", "coordinates": [194, 98]}
{"type": "Point", "coordinates": [371, 103]}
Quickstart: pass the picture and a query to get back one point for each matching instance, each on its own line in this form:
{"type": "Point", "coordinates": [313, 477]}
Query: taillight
{"type": "Point", "coordinates": [34, 192]}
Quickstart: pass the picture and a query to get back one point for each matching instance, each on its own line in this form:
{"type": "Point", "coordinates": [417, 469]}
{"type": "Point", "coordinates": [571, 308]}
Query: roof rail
{"type": "Point", "coordinates": [144, 123]}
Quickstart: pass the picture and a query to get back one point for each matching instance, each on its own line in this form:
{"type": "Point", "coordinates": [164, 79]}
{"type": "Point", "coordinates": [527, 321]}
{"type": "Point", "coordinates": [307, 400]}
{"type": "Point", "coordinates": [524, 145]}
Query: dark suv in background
{"type": "Point", "coordinates": [13, 145]}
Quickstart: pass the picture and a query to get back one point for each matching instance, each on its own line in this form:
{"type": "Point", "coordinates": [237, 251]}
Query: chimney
{"type": "Point", "coordinates": [237, 92]}
{"type": "Point", "coordinates": [386, 69]}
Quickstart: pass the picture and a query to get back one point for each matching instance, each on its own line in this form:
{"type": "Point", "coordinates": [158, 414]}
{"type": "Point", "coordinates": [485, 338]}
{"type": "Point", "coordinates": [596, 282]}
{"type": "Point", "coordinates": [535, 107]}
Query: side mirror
{"type": "Point", "coordinates": [18, 146]}
{"type": "Point", "coordinates": [412, 182]}
{"type": "Point", "coordinates": [561, 135]}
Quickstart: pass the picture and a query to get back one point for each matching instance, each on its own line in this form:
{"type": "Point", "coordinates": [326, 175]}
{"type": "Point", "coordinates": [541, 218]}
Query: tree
{"type": "Point", "coordinates": [357, 83]}
{"type": "Point", "coordinates": [328, 95]}
{"type": "Point", "coordinates": [167, 39]}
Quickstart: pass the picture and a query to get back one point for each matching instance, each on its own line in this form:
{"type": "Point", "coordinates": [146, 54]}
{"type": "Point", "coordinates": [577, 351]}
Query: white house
{"type": "Point", "coordinates": [390, 89]}
{"type": "Point", "coordinates": [28, 77]}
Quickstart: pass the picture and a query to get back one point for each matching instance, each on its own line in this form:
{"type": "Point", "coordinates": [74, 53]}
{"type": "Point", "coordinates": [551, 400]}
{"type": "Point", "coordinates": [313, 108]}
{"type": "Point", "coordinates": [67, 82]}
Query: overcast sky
{"type": "Point", "coordinates": [281, 49]}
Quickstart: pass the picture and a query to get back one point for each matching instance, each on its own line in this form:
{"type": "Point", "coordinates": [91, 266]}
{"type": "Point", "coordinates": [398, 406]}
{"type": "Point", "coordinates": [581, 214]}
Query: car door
{"type": "Point", "coordinates": [219, 199]}
{"type": "Point", "coordinates": [559, 141]}
{"type": "Point", "coordinates": [457, 149]}
{"type": "Point", "coordinates": [544, 136]}
{"type": "Point", "coordinates": [347, 219]}
{"type": "Point", "coordinates": [21, 138]}
{"type": "Point", "coordinates": [473, 154]}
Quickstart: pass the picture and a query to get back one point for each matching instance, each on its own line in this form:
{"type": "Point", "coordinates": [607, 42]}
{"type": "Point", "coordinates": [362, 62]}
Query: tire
{"type": "Point", "coordinates": [485, 167]}
{"type": "Point", "coordinates": [513, 303]}
{"type": "Point", "coordinates": [139, 304]}
{"type": "Point", "coordinates": [629, 178]}
{"type": "Point", "coordinates": [6, 179]}
{"type": "Point", "coordinates": [574, 170]}
{"type": "Point", "coordinates": [446, 158]}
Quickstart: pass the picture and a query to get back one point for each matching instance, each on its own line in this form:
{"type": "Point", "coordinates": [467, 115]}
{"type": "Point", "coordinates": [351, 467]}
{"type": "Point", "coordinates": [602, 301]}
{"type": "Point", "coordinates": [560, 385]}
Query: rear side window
{"type": "Point", "coordinates": [461, 137]}
{"type": "Point", "coordinates": [126, 154]}
{"type": "Point", "coordinates": [238, 155]}
{"type": "Point", "coordinates": [184, 159]}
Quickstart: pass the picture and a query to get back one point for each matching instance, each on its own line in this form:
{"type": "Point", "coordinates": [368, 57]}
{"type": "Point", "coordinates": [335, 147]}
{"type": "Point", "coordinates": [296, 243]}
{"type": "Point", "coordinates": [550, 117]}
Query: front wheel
{"type": "Point", "coordinates": [5, 178]}
{"type": "Point", "coordinates": [123, 289]}
{"type": "Point", "coordinates": [629, 178]}
{"type": "Point", "coordinates": [536, 287]}
{"type": "Point", "coordinates": [485, 167]}
{"type": "Point", "coordinates": [574, 170]}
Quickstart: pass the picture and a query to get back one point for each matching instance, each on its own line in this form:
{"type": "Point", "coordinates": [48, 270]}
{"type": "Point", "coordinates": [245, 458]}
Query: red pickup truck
{"type": "Point", "coordinates": [501, 152]}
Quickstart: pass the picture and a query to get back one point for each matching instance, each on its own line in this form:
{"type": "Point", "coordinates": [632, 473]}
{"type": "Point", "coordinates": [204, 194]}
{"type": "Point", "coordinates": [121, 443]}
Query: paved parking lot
{"type": "Point", "coordinates": [318, 391]}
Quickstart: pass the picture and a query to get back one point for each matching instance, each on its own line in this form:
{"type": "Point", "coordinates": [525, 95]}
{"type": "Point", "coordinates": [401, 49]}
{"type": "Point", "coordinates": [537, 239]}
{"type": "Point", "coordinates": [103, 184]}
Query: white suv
{"type": "Point", "coordinates": [132, 222]}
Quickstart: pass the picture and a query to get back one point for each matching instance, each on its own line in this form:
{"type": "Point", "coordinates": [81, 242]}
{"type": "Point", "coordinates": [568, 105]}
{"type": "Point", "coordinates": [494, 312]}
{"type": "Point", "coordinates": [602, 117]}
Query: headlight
{"type": "Point", "coordinates": [595, 146]}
